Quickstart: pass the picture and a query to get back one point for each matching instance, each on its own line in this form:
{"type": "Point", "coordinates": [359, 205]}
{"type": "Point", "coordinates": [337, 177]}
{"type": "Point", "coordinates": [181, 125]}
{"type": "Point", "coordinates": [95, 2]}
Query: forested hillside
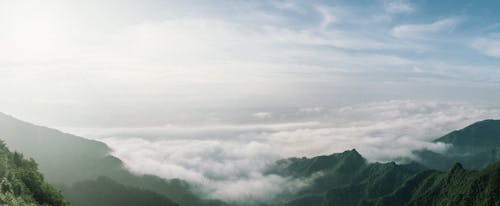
{"type": "Point", "coordinates": [21, 183]}
{"type": "Point", "coordinates": [455, 187]}
{"type": "Point", "coordinates": [67, 159]}
{"type": "Point", "coordinates": [348, 179]}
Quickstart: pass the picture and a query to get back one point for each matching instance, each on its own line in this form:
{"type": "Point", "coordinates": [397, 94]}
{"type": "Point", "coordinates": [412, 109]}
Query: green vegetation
{"type": "Point", "coordinates": [88, 175]}
{"type": "Point", "coordinates": [66, 159]}
{"type": "Point", "coordinates": [347, 179]}
{"type": "Point", "coordinates": [475, 146]}
{"type": "Point", "coordinates": [342, 179]}
{"type": "Point", "coordinates": [390, 184]}
{"type": "Point", "coordinates": [22, 184]}
{"type": "Point", "coordinates": [455, 187]}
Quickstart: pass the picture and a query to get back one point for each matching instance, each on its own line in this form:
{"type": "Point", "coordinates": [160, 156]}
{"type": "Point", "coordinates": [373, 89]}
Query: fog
{"type": "Point", "coordinates": [227, 160]}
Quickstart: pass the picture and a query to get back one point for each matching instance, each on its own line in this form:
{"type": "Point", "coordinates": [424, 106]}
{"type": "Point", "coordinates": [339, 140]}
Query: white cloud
{"type": "Point", "coordinates": [233, 156]}
{"type": "Point", "coordinates": [262, 115]}
{"type": "Point", "coordinates": [424, 31]}
{"type": "Point", "coordinates": [489, 45]}
{"type": "Point", "coordinates": [398, 6]}
{"type": "Point", "coordinates": [192, 57]}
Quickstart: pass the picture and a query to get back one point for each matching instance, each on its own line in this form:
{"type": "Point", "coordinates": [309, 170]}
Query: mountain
{"type": "Point", "coordinates": [342, 178]}
{"type": "Point", "coordinates": [475, 146]}
{"type": "Point", "coordinates": [22, 184]}
{"type": "Point", "coordinates": [455, 187]}
{"type": "Point", "coordinates": [390, 184]}
{"type": "Point", "coordinates": [88, 175]}
{"type": "Point", "coordinates": [340, 162]}
{"type": "Point", "coordinates": [63, 158]}
{"type": "Point", "coordinates": [67, 159]}
{"type": "Point", "coordinates": [348, 179]}
{"type": "Point", "coordinates": [480, 136]}
{"type": "Point", "coordinates": [104, 192]}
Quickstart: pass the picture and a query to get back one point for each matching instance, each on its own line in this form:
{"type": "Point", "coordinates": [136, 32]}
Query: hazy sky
{"type": "Point", "coordinates": [212, 91]}
{"type": "Point", "coordinates": [144, 63]}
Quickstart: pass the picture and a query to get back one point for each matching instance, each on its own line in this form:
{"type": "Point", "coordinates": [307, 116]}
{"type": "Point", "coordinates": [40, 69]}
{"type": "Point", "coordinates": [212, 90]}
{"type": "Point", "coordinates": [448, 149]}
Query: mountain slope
{"type": "Point", "coordinates": [475, 146]}
{"type": "Point", "coordinates": [67, 159]}
{"type": "Point", "coordinates": [104, 192]}
{"type": "Point", "coordinates": [342, 178]}
{"type": "Point", "coordinates": [479, 136]}
{"type": "Point", "coordinates": [22, 184]}
{"type": "Point", "coordinates": [62, 157]}
{"type": "Point", "coordinates": [455, 187]}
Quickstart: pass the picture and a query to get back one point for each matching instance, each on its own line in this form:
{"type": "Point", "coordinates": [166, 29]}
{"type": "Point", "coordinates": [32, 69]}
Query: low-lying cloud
{"type": "Point", "coordinates": [227, 160]}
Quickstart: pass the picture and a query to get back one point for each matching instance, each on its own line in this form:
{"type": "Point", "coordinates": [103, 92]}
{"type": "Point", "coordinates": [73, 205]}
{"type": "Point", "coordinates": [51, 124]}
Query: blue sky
{"type": "Point", "coordinates": [150, 60]}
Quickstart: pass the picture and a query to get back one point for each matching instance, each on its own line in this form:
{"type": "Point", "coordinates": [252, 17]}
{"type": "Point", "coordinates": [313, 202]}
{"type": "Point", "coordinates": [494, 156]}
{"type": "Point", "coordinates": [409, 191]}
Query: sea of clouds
{"type": "Point", "coordinates": [227, 160]}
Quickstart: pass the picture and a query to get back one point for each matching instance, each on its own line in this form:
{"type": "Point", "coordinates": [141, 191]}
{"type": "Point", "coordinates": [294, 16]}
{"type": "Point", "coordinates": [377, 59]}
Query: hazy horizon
{"type": "Point", "coordinates": [235, 85]}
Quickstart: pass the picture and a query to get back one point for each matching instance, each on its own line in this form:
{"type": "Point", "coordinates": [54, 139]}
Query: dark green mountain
{"type": "Point", "coordinates": [480, 136]}
{"type": "Point", "coordinates": [66, 159]}
{"type": "Point", "coordinates": [342, 179]}
{"type": "Point", "coordinates": [455, 187]}
{"type": "Point", "coordinates": [22, 184]}
{"type": "Point", "coordinates": [347, 179]}
{"type": "Point", "coordinates": [104, 192]}
{"type": "Point", "coordinates": [390, 184]}
{"type": "Point", "coordinates": [475, 146]}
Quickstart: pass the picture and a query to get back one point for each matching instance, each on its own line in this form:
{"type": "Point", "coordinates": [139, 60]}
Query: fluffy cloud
{"type": "Point", "coordinates": [229, 159]}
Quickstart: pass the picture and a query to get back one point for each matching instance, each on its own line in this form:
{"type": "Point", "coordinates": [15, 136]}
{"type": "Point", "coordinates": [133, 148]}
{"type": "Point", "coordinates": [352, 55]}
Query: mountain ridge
{"type": "Point", "coordinates": [378, 181]}
{"type": "Point", "coordinates": [66, 159]}
{"type": "Point", "coordinates": [345, 178]}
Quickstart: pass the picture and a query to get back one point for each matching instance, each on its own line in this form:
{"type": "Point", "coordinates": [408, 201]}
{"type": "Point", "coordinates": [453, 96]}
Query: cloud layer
{"type": "Point", "coordinates": [226, 160]}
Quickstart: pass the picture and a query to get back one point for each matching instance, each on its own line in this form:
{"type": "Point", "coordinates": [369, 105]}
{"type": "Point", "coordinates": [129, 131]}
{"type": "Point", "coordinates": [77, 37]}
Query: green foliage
{"type": "Point", "coordinates": [389, 184]}
{"type": "Point", "coordinates": [455, 187]}
{"type": "Point", "coordinates": [338, 179]}
{"type": "Point", "coordinates": [22, 184]}
{"type": "Point", "coordinates": [342, 179]}
{"type": "Point", "coordinates": [66, 159]}
{"type": "Point", "coordinates": [475, 146]}
{"type": "Point", "coordinates": [346, 178]}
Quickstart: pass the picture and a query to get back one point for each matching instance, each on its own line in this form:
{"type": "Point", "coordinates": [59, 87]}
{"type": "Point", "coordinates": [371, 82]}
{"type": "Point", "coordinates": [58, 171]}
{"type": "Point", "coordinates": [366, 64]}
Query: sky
{"type": "Point", "coordinates": [130, 63]}
{"type": "Point", "coordinates": [176, 87]}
